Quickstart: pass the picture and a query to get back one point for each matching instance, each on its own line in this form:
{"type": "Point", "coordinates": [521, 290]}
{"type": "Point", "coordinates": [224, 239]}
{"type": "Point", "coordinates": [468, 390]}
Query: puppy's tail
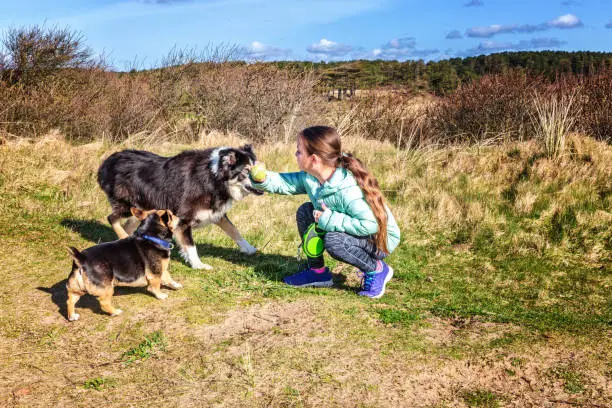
{"type": "Point", "coordinates": [77, 256]}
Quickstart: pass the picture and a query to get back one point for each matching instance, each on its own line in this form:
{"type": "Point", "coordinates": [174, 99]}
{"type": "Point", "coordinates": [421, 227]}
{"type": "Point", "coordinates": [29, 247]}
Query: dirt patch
{"type": "Point", "coordinates": [258, 319]}
{"type": "Point", "coordinates": [446, 332]}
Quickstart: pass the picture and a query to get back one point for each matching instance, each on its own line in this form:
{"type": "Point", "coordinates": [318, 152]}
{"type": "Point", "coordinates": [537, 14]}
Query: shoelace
{"type": "Point", "coordinates": [367, 278]}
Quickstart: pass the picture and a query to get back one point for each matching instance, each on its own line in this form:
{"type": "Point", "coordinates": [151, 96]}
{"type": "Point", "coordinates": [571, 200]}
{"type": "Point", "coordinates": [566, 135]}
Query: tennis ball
{"type": "Point", "coordinates": [258, 172]}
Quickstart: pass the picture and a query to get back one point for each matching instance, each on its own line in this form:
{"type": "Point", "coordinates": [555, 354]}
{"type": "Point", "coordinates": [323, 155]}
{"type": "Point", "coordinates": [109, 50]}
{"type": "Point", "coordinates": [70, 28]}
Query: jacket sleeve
{"type": "Point", "coordinates": [282, 183]}
{"type": "Point", "coordinates": [360, 222]}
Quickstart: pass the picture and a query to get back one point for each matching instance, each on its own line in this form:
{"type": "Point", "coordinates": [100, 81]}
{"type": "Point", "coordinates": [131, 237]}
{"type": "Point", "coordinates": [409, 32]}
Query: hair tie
{"type": "Point", "coordinates": [344, 154]}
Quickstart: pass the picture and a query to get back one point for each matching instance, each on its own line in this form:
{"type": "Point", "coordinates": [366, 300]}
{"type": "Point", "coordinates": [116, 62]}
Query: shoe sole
{"type": "Point", "coordinates": [387, 279]}
{"type": "Point", "coordinates": [324, 284]}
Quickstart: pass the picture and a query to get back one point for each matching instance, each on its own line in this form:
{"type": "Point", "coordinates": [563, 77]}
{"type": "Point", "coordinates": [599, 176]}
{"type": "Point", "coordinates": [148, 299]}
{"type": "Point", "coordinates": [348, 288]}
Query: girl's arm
{"type": "Point", "coordinates": [282, 183]}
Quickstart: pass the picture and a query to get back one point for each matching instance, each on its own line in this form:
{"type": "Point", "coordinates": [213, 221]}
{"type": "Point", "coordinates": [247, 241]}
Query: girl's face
{"type": "Point", "coordinates": [304, 160]}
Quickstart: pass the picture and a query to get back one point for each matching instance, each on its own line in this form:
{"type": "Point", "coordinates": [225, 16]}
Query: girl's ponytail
{"type": "Point", "coordinates": [369, 185]}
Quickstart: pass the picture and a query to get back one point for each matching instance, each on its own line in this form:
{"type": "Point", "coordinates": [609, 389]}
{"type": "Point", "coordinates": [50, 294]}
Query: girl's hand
{"type": "Point", "coordinates": [317, 214]}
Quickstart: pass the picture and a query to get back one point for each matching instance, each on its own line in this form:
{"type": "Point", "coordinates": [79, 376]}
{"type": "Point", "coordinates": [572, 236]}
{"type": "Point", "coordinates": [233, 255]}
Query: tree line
{"type": "Point", "coordinates": [445, 76]}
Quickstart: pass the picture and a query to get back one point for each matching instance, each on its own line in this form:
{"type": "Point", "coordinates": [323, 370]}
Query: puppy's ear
{"type": "Point", "coordinates": [138, 213]}
{"type": "Point", "coordinates": [164, 217]}
{"type": "Point", "coordinates": [76, 255]}
{"type": "Point", "coordinates": [173, 220]}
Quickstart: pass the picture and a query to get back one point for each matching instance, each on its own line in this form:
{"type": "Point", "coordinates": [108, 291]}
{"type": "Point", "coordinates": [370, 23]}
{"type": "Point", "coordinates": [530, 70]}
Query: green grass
{"type": "Point", "coordinates": [573, 381]}
{"type": "Point", "coordinates": [99, 383]}
{"type": "Point", "coordinates": [150, 346]}
{"type": "Point", "coordinates": [481, 398]}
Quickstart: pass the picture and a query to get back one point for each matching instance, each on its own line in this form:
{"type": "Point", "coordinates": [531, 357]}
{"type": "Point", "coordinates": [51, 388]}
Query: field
{"type": "Point", "coordinates": [501, 295]}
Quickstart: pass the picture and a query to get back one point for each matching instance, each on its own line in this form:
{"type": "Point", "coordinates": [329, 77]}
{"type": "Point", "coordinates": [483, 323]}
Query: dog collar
{"type": "Point", "coordinates": [165, 244]}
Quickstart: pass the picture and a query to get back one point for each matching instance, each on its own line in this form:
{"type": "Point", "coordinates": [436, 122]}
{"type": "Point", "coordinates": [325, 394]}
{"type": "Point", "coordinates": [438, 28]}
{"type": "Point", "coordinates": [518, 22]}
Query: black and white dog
{"type": "Point", "coordinates": [198, 186]}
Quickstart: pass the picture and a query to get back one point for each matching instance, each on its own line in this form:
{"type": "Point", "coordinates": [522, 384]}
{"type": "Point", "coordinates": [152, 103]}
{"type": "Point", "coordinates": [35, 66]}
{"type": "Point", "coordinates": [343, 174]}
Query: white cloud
{"type": "Point", "coordinates": [565, 21]}
{"type": "Point", "coordinates": [401, 49]}
{"type": "Point", "coordinates": [490, 31]}
{"type": "Point", "coordinates": [262, 51]}
{"type": "Point", "coordinates": [327, 48]}
{"type": "Point", "coordinates": [454, 35]}
{"type": "Point", "coordinates": [400, 43]}
{"type": "Point", "coordinates": [487, 47]}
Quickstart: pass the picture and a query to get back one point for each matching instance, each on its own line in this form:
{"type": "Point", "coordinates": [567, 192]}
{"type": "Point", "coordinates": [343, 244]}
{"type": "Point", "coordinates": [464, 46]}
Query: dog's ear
{"type": "Point", "coordinates": [173, 220]}
{"type": "Point", "coordinates": [164, 217]}
{"type": "Point", "coordinates": [168, 218]}
{"type": "Point", "coordinates": [248, 149]}
{"type": "Point", "coordinates": [226, 164]}
{"type": "Point", "coordinates": [76, 255]}
{"type": "Point", "coordinates": [140, 214]}
{"type": "Point", "coordinates": [229, 159]}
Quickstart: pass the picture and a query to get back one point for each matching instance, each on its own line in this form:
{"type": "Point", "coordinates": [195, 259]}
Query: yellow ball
{"type": "Point", "coordinates": [258, 173]}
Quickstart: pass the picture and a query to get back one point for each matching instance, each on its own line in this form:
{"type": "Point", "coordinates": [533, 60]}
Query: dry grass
{"type": "Point", "coordinates": [555, 118]}
{"type": "Point", "coordinates": [463, 320]}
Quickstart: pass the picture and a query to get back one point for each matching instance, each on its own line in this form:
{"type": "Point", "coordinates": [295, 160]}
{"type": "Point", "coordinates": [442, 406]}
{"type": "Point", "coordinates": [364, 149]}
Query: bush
{"type": "Point", "coordinates": [35, 52]}
{"type": "Point", "coordinates": [492, 106]}
{"type": "Point", "coordinates": [391, 115]}
{"type": "Point", "coordinates": [258, 101]}
{"type": "Point", "coordinates": [595, 118]}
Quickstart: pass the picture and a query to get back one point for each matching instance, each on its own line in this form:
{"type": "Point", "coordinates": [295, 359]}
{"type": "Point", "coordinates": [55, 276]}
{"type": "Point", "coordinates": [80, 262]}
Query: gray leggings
{"type": "Point", "coordinates": [357, 251]}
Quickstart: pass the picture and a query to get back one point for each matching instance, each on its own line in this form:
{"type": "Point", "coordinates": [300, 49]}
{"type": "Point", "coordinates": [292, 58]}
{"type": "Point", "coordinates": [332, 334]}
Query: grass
{"type": "Point", "coordinates": [481, 398]}
{"type": "Point", "coordinates": [99, 383]}
{"type": "Point", "coordinates": [573, 381]}
{"type": "Point", "coordinates": [147, 348]}
{"type": "Point", "coordinates": [503, 298]}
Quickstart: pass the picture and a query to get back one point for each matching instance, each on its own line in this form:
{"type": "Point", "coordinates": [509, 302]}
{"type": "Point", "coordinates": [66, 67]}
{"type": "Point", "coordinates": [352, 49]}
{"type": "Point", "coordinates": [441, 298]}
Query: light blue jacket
{"type": "Point", "coordinates": [347, 210]}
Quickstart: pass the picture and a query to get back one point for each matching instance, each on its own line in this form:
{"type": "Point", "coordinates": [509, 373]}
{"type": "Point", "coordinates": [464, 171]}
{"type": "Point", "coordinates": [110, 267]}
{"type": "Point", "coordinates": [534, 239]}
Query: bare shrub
{"type": "Point", "coordinates": [595, 118]}
{"type": "Point", "coordinates": [130, 106]}
{"type": "Point", "coordinates": [493, 106]}
{"type": "Point", "coordinates": [393, 116]}
{"type": "Point", "coordinates": [37, 51]}
{"type": "Point", "coordinates": [258, 101]}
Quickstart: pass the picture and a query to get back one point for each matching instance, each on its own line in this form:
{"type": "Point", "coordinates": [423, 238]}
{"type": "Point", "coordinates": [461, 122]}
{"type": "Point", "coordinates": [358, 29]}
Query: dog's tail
{"type": "Point", "coordinates": [77, 256]}
{"type": "Point", "coordinates": [75, 280]}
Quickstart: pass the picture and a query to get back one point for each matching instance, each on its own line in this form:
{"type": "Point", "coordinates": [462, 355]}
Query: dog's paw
{"type": "Point", "coordinates": [161, 296]}
{"type": "Point", "coordinates": [117, 312]}
{"type": "Point", "coordinates": [246, 248]}
{"type": "Point", "coordinates": [175, 285]}
{"type": "Point", "coordinates": [74, 317]}
{"type": "Point", "coordinates": [200, 265]}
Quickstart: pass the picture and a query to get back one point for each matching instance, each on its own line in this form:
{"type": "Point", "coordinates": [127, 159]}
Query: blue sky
{"type": "Point", "coordinates": [141, 32]}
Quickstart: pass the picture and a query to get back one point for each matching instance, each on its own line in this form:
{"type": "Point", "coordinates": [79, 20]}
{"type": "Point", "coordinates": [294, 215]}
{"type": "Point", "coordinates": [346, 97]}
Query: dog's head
{"type": "Point", "coordinates": [232, 165]}
{"type": "Point", "coordinates": [157, 223]}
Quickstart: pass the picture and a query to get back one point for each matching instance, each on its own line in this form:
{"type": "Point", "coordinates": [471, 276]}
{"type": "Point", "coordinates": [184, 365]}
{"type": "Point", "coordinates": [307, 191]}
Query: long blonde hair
{"type": "Point", "coordinates": [324, 141]}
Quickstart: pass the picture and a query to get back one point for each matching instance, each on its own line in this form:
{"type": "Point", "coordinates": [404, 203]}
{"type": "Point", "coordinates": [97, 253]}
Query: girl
{"type": "Point", "coordinates": [349, 210]}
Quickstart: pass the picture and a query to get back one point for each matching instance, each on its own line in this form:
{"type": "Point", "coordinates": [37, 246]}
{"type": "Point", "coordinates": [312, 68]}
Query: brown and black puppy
{"type": "Point", "coordinates": [139, 260]}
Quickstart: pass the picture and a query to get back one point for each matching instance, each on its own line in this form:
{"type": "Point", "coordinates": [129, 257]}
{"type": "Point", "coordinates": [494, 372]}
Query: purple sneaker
{"type": "Point", "coordinates": [308, 277]}
{"type": "Point", "coordinates": [374, 283]}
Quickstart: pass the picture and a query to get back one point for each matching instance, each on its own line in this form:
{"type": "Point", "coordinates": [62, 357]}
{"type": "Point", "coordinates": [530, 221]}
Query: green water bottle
{"type": "Point", "coordinates": [312, 241]}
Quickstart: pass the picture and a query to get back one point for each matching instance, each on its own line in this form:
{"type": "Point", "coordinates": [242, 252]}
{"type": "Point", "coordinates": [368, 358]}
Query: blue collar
{"type": "Point", "coordinates": [165, 244]}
